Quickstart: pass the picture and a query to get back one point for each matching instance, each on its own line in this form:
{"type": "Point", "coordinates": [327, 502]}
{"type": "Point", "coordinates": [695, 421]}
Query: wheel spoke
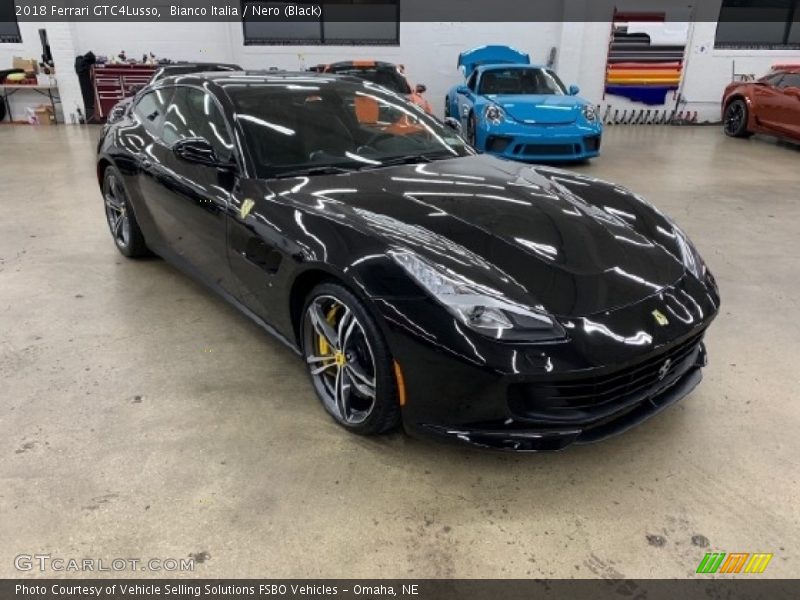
{"type": "Point", "coordinates": [113, 203]}
{"type": "Point", "coordinates": [322, 369]}
{"type": "Point", "coordinates": [342, 393]}
{"type": "Point", "coordinates": [363, 383]}
{"type": "Point", "coordinates": [318, 359]}
{"type": "Point", "coordinates": [119, 224]}
{"type": "Point", "coordinates": [329, 361]}
{"type": "Point", "coordinates": [321, 325]}
{"type": "Point", "coordinates": [346, 318]}
{"type": "Point", "coordinates": [345, 336]}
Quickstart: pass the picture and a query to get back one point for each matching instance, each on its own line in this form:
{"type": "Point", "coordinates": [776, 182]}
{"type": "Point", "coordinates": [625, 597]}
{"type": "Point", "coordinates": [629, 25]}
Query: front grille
{"type": "Point", "coordinates": [547, 149]}
{"type": "Point", "coordinates": [599, 393]}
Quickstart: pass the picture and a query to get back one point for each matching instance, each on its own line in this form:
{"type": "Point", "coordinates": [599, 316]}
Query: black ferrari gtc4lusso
{"type": "Point", "coordinates": [477, 299]}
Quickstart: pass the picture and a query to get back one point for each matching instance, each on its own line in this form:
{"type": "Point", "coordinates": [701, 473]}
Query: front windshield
{"type": "Point", "coordinates": [521, 81]}
{"type": "Point", "coordinates": [298, 124]}
{"type": "Point", "coordinates": [388, 77]}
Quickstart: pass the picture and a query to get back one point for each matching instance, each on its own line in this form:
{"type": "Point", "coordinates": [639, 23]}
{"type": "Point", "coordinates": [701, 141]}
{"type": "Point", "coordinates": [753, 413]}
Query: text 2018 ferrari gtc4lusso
{"type": "Point", "coordinates": [473, 298]}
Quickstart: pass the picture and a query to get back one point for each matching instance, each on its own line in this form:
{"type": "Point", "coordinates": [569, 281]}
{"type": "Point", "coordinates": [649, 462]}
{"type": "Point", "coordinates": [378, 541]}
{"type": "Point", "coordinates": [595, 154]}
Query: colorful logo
{"type": "Point", "coordinates": [735, 562]}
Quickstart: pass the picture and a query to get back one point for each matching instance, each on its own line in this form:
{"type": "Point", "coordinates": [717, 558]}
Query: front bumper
{"type": "Point", "coordinates": [613, 372]}
{"type": "Point", "coordinates": [625, 414]}
{"type": "Point", "coordinates": [545, 143]}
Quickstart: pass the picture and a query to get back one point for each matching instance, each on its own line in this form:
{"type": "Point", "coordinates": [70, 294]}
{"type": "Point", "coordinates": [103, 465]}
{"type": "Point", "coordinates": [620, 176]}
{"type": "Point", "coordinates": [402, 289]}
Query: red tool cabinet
{"type": "Point", "coordinates": [112, 83]}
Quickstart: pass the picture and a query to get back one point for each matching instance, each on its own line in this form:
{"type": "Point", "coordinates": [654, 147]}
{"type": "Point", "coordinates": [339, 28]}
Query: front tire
{"type": "Point", "coordinates": [349, 362]}
{"type": "Point", "coordinates": [735, 121]}
{"type": "Point", "coordinates": [121, 221]}
{"type": "Point", "coordinates": [471, 128]}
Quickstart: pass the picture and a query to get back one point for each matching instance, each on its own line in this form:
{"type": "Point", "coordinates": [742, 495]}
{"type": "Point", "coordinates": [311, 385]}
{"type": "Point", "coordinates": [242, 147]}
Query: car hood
{"type": "Point", "coordinates": [568, 243]}
{"type": "Point", "coordinates": [546, 109]}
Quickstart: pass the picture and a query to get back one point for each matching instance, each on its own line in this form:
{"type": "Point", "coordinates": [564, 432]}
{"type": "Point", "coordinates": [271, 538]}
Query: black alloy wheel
{"type": "Point", "coordinates": [349, 362]}
{"type": "Point", "coordinates": [121, 220]}
{"type": "Point", "coordinates": [735, 121]}
{"type": "Point", "coordinates": [471, 126]}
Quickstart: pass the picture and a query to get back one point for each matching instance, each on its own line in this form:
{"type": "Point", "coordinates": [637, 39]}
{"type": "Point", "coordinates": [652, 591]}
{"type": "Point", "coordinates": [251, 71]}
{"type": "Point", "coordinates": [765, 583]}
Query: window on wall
{"type": "Point", "coordinates": [344, 22]}
{"type": "Point", "coordinates": [9, 32]}
{"type": "Point", "coordinates": [758, 24]}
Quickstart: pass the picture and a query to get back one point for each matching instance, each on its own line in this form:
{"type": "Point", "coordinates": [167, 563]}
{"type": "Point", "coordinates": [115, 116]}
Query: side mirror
{"type": "Point", "coordinates": [463, 90]}
{"type": "Point", "coordinates": [792, 91]}
{"type": "Point", "coordinates": [453, 124]}
{"type": "Point", "coordinates": [421, 89]}
{"type": "Point", "coordinates": [574, 90]}
{"type": "Point", "coordinates": [199, 151]}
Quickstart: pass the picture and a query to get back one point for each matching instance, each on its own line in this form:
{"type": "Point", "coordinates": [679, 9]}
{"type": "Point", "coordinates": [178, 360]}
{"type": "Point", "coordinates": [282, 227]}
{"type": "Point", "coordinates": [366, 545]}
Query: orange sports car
{"type": "Point", "coordinates": [769, 105]}
{"type": "Point", "coordinates": [386, 74]}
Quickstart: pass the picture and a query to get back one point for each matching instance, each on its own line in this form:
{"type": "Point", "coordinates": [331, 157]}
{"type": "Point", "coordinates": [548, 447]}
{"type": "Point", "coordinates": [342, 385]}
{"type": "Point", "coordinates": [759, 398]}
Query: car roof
{"type": "Point", "coordinates": [786, 68]}
{"type": "Point", "coordinates": [365, 64]}
{"type": "Point", "coordinates": [211, 65]}
{"type": "Point", "coordinates": [356, 64]}
{"type": "Point", "coordinates": [221, 78]}
{"type": "Point", "coordinates": [491, 66]}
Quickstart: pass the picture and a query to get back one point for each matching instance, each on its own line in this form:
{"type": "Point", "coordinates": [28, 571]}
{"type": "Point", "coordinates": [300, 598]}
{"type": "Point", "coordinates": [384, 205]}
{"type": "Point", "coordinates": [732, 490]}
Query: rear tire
{"type": "Point", "coordinates": [122, 223]}
{"type": "Point", "coordinates": [349, 362]}
{"type": "Point", "coordinates": [735, 120]}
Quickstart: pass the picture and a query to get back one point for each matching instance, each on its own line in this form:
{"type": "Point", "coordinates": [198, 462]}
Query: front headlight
{"type": "Point", "coordinates": [494, 114]}
{"type": "Point", "coordinates": [690, 257]}
{"type": "Point", "coordinates": [479, 307]}
{"type": "Point", "coordinates": [589, 113]}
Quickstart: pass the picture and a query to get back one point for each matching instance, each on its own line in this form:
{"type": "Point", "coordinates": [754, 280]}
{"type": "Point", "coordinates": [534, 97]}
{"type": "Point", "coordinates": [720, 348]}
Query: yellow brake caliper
{"type": "Point", "coordinates": [324, 347]}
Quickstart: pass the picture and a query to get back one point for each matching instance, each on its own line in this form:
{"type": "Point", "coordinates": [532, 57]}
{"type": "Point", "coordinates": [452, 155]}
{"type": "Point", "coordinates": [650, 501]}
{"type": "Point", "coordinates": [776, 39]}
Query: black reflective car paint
{"type": "Point", "coordinates": [605, 263]}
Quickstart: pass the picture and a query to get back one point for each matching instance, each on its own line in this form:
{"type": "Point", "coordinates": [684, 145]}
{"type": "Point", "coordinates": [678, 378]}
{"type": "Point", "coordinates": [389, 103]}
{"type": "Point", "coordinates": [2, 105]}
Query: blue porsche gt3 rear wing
{"type": "Point", "coordinates": [489, 55]}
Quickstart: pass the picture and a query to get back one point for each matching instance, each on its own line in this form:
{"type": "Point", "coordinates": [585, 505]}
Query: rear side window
{"type": "Point", "coordinates": [472, 81]}
{"type": "Point", "coordinates": [773, 79]}
{"type": "Point", "coordinates": [194, 113]}
{"type": "Point", "coordinates": [790, 80]}
{"type": "Point", "coordinates": [151, 107]}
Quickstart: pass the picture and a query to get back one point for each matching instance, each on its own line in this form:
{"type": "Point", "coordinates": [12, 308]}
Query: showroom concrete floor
{"type": "Point", "coordinates": [143, 417]}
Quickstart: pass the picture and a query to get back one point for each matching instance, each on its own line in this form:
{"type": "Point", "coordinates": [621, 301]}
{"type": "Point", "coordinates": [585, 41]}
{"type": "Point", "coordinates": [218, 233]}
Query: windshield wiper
{"type": "Point", "coordinates": [410, 159]}
{"type": "Point", "coordinates": [324, 170]}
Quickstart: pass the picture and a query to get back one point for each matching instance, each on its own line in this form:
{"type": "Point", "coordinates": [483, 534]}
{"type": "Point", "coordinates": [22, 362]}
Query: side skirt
{"type": "Point", "coordinates": [182, 265]}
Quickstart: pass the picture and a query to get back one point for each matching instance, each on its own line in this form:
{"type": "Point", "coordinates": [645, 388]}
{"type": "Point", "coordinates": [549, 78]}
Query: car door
{"type": "Point", "coordinates": [138, 137]}
{"type": "Point", "coordinates": [188, 200]}
{"type": "Point", "coordinates": [790, 104]}
{"type": "Point", "coordinates": [767, 101]}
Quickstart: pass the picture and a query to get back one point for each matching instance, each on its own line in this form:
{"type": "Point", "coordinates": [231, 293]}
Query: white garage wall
{"type": "Point", "coordinates": [177, 41]}
{"type": "Point", "coordinates": [710, 70]}
{"type": "Point", "coordinates": [428, 50]}
{"type": "Point", "coordinates": [60, 36]}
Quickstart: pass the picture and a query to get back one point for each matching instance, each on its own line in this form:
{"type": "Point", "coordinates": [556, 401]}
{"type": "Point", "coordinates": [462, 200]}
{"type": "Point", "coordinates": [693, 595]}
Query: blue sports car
{"type": "Point", "coordinates": [517, 110]}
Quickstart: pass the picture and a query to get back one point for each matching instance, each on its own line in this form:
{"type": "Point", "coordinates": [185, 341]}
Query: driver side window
{"type": "Point", "coordinates": [150, 108]}
{"type": "Point", "coordinates": [774, 80]}
{"type": "Point", "coordinates": [790, 80]}
{"type": "Point", "coordinates": [194, 113]}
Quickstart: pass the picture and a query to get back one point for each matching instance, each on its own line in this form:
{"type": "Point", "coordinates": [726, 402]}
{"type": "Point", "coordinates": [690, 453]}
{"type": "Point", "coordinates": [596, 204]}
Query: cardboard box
{"type": "Point", "coordinates": [44, 115]}
{"type": "Point", "coordinates": [29, 65]}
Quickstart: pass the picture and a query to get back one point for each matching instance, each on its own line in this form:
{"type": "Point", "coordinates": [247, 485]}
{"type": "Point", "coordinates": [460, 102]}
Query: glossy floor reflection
{"type": "Point", "coordinates": [141, 416]}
